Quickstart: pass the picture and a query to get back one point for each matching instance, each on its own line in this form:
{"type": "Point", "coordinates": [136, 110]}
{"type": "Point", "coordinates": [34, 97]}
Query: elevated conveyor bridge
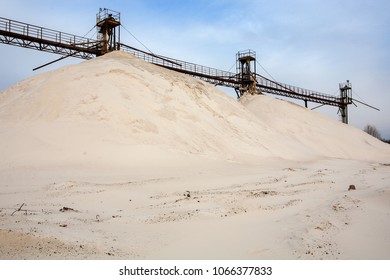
{"type": "Point", "coordinates": [245, 80]}
{"type": "Point", "coordinates": [233, 80]}
{"type": "Point", "coordinates": [30, 36]}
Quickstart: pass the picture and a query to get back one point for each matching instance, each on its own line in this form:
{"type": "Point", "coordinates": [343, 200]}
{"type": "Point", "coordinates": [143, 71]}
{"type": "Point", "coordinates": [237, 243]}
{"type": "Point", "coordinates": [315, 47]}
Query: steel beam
{"type": "Point", "coordinates": [38, 38]}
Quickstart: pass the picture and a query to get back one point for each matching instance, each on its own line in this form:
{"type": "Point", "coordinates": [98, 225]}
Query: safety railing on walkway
{"type": "Point", "coordinates": [229, 79]}
{"type": "Point", "coordinates": [36, 37]}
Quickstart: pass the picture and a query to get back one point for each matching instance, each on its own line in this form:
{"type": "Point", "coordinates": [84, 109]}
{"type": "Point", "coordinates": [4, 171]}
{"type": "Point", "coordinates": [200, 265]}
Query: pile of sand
{"type": "Point", "coordinates": [116, 110]}
{"type": "Point", "coordinates": [153, 164]}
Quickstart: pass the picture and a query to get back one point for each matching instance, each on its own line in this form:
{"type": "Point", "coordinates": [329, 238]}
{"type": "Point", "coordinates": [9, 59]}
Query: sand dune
{"type": "Point", "coordinates": [118, 158]}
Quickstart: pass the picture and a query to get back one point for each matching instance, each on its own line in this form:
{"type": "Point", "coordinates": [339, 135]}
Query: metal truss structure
{"type": "Point", "coordinates": [245, 80]}
{"type": "Point", "coordinates": [43, 39]}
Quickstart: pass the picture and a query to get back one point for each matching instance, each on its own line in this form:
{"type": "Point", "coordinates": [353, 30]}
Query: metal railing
{"type": "Point", "coordinates": [107, 13]}
{"type": "Point", "coordinates": [270, 86]}
{"type": "Point", "coordinates": [30, 36]}
{"type": "Point", "coordinates": [229, 79]}
{"type": "Point", "coordinates": [33, 31]}
{"type": "Point", "coordinates": [180, 65]}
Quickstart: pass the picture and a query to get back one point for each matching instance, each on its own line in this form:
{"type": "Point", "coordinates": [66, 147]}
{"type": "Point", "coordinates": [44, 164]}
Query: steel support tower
{"type": "Point", "coordinates": [345, 99]}
{"type": "Point", "coordinates": [246, 72]}
{"type": "Point", "coordinates": [108, 24]}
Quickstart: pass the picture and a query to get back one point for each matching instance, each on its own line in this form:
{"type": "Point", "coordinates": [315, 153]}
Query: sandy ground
{"type": "Point", "coordinates": [115, 158]}
{"type": "Point", "coordinates": [292, 211]}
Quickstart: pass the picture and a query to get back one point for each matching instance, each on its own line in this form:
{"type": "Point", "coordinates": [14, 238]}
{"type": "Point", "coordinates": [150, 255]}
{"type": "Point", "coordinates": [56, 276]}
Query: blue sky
{"type": "Point", "coordinates": [308, 43]}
